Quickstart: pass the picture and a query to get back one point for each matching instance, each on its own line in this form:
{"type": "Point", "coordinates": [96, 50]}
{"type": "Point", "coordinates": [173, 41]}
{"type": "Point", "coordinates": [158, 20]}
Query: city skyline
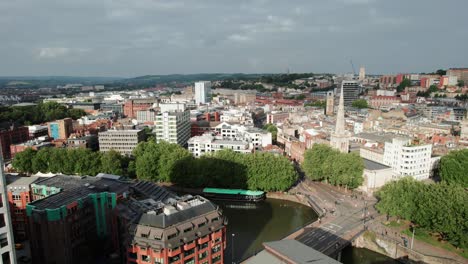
{"type": "Point", "coordinates": [116, 38]}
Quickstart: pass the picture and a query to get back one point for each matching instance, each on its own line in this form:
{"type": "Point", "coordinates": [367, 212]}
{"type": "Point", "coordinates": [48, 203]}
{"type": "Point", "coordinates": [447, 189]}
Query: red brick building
{"type": "Point", "coordinates": [19, 195]}
{"type": "Point", "coordinates": [132, 106]}
{"type": "Point", "coordinates": [13, 135]}
{"type": "Point", "coordinates": [378, 101]}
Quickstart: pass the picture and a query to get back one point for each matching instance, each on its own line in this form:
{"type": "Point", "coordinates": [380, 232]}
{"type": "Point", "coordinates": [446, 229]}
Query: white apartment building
{"type": "Point", "coordinates": [407, 159]}
{"type": "Point", "coordinates": [236, 116]}
{"type": "Point", "coordinates": [254, 136]}
{"type": "Point", "coordinates": [122, 141]}
{"type": "Point", "coordinates": [146, 115]}
{"type": "Point", "coordinates": [7, 250]}
{"type": "Point", "coordinates": [173, 127]}
{"type": "Point", "coordinates": [202, 92]}
{"type": "Point", "coordinates": [207, 143]}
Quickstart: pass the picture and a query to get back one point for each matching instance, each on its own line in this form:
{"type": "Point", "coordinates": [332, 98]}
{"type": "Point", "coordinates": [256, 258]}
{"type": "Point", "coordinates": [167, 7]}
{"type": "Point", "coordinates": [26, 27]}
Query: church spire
{"type": "Point", "coordinates": [340, 121]}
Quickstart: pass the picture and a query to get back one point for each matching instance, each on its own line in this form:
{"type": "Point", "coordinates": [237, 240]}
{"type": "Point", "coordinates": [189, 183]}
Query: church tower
{"type": "Point", "coordinates": [340, 139]}
{"type": "Point", "coordinates": [330, 104]}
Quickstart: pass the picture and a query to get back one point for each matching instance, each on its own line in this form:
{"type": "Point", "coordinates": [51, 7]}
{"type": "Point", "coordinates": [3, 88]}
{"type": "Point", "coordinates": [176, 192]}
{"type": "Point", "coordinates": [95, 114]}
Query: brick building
{"type": "Point", "coordinates": [378, 101]}
{"type": "Point", "coordinates": [60, 129]}
{"type": "Point", "coordinates": [19, 195]}
{"type": "Point", "coordinates": [132, 106]}
{"type": "Point", "coordinates": [10, 136]}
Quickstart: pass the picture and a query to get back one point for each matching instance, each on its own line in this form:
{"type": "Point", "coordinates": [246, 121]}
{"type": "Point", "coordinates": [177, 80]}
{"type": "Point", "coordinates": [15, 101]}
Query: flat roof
{"type": "Point", "coordinates": [372, 165]}
{"type": "Point", "coordinates": [15, 180]}
{"type": "Point", "coordinates": [287, 251]}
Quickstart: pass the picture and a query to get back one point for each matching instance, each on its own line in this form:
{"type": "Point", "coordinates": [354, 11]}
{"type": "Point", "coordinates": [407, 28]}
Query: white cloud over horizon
{"type": "Point", "coordinates": [130, 38]}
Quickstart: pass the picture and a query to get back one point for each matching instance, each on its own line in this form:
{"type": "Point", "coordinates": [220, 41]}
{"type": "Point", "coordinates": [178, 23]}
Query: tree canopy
{"type": "Point", "coordinates": [454, 167]}
{"type": "Point", "coordinates": [360, 103]}
{"type": "Point", "coordinates": [441, 208]}
{"type": "Point", "coordinates": [77, 161]}
{"type": "Point", "coordinates": [341, 169]}
{"type": "Point", "coordinates": [167, 162]}
{"type": "Point", "coordinates": [40, 113]}
{"type": "Point", "coordinates": [405, 83]}
{"type": "Point", "coordinates": [273, 130]}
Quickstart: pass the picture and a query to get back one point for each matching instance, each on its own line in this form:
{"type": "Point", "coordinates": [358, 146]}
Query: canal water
{"type": "Point", "coordinates": [252, 224]}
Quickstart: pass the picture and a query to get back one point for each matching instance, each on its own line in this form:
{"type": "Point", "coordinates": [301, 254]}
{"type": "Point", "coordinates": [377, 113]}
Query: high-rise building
{"type": "Point", "coordinates": [202, 92]}
{"type": "Point", "coordinates": [340, 139]}
{"type": "Point", "coordinates": [123, 141]}
{"type": "Point", "coordinates": [7, 250]}
{"type": "Point", "coordinates": [330, 107]}
{"type": "Point", "coordinates": [460, 73]}
{"type": "Point", "coordinates": [173, 126]}
{"type": "Point", "coordinates": [351, 91]}
{"type": "Point", "coordinates": [60, 129]}
{"type": "Point", "coordinates": [362, 73]}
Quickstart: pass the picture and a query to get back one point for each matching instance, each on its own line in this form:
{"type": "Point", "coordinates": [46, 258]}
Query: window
{"type": "Point", "coordinates": [145, 258]}
{"type": "Point", "coordinates": [216, 259]}
{"type": "Point", "coordinates": [216, 248]}
{"type": "Point", "coordinates": [202, 255]}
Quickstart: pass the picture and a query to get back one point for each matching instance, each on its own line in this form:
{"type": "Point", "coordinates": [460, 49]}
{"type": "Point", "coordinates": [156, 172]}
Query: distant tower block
{"type": "Point", "coordinates": [362, 73]}
{"type": "Point", "coordinates": [330, 103]}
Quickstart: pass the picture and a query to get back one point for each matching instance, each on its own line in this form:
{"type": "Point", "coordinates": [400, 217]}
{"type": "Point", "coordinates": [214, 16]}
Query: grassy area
{"type": "Point", "coordinates": [424, 236]}
{"type": "Point", "coordinates": [369, 236]}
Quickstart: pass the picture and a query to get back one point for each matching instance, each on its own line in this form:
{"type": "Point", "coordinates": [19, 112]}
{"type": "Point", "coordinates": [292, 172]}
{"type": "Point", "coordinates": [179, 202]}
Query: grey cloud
{"type": "Point", "coordinates": [128, 38]}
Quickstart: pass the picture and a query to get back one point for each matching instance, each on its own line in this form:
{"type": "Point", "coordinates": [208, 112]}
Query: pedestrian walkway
{"type": "Point", "coordinates": [395, 234]}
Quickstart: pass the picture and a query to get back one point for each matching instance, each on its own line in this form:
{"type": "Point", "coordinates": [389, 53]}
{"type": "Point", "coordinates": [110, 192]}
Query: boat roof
{"type": "Point", "coordinates": [232, 191]}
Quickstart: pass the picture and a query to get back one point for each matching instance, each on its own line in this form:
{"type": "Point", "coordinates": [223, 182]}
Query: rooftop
{"type": "Point", "coordinates": [290, 251]}
{"type": "Point", "coordinates": [372, 165]}
{"type": "Point", "coordinates": [73, 188]}
{"type": "Point", "coordinates": [15, 180]}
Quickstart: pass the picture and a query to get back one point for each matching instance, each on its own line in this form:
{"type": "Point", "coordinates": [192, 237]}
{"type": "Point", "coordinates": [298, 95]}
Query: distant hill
{"type": "Point", "coordinates": [157, 79]}
{"type": "Point", "coordinates": [51, 81]}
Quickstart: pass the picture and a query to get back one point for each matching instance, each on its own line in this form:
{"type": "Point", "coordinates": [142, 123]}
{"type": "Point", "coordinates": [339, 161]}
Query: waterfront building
{"type": "Point", "coordinates": [60, 129]}
{"type": "Point", "coordinates": [123, 141]}
{"type": "Point", "coordinates": [202, 92]}
{"type": "Point", "coordinates": [76, 215]}
{"type": "Point", "coordinates": [207, 143]}
{"type": "Point", "coordinates": [189, 229]}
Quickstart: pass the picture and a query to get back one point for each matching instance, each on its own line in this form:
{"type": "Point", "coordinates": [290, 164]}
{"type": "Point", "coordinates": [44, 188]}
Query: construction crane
{"type": "Point", "coordinates": [352, 65]}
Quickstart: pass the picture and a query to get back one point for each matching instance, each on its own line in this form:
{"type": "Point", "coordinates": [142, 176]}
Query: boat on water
{"type": "Point", "coordinates": [238, 195]}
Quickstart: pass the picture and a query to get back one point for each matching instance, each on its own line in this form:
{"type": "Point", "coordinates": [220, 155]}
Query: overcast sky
{"type": "Point", "coordinates": [137, 37]}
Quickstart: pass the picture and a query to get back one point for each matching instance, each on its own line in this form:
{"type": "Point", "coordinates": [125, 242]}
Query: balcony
{"type": "Point", "coordinates": [174, 252]}
{"type": "Point", "coordinates": [203, 240]}
{"type": "Point", "coordinates": [189, 245]}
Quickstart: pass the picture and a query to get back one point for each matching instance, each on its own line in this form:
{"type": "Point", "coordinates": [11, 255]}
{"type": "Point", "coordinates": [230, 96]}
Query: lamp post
{"type": "Point", "coordinates": [412, 239]}
{"type": "Point", "coordinates": [232, 248]}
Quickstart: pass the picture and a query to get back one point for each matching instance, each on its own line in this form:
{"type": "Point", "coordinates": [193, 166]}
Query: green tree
{"type": "Point", "coordinates": [360, 103]}
{"type": "Point", "coordinates": [22, 161]}
{"type": "Point", "coordinates": [42, 159]}
{"type": "Point", "coordinates": [112, 162]}
{"type": "Point", "coordinates": [405, 83]}
{"type": "Point", "coordinates": [273, 130]}
{"type": "Point", "coordinates": [441, 72]}
{"type": "Point", "coordinates": [454, 167]}
{"type": "Point", "coordinates": [461, 83]}
{"type": "Point", "coordinates": [314, 161]}
{"type": "Point", "coordinates": [433, 88]}
{"type": "Point", "coordinates": [321, 104]}
{"type": "Point", "coordinates": [341, 169]}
